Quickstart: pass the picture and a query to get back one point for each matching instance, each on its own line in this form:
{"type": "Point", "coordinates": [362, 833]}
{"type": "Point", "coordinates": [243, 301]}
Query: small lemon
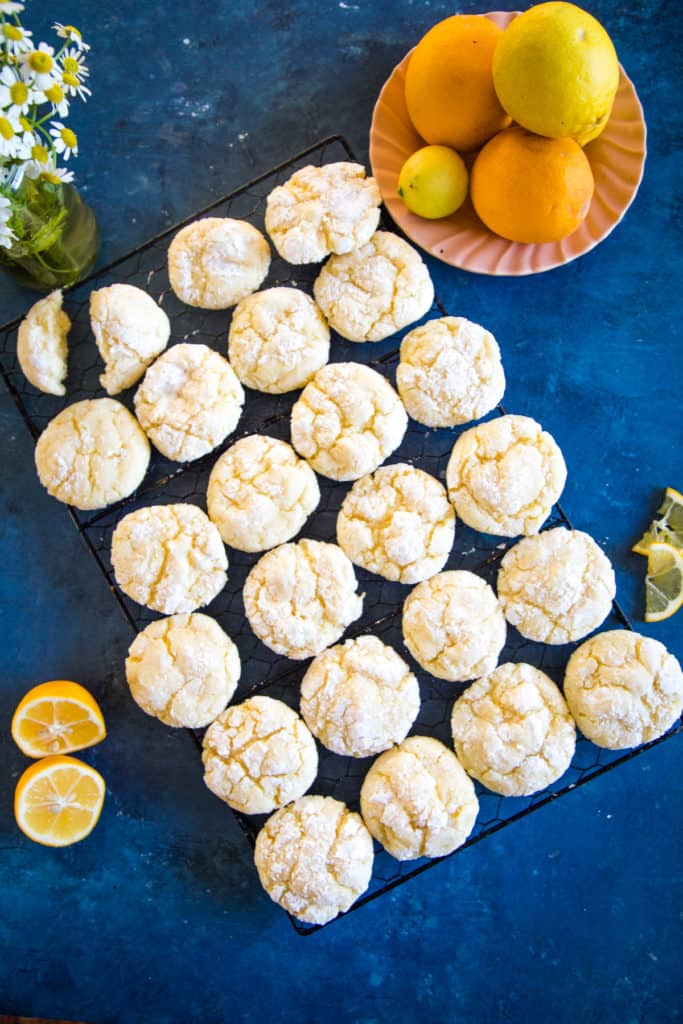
{"type": "Point", "coordinates": [433, 182]}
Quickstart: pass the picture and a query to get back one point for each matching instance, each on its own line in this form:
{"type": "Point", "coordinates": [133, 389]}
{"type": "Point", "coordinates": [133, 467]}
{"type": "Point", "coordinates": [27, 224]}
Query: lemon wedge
{"type": "Point", "coordinates": [668, 527]}
{"type": "Point", "coordinates": [664, 581]}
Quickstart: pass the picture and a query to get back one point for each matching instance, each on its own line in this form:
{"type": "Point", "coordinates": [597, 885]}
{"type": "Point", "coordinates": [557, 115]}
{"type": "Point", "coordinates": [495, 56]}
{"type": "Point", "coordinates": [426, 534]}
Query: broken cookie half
{"type": "Point", "coordinates": [42, 346]}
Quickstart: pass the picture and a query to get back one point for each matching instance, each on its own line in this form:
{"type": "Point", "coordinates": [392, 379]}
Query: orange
{"type": "Point", "coordinates": [531, 189]}
{"type": "Point", "coordinates": [56, 718]}
{"type": "Point", "coordinates": [58, 800]}
{"type": "Point", "coordinates": [449, 83]}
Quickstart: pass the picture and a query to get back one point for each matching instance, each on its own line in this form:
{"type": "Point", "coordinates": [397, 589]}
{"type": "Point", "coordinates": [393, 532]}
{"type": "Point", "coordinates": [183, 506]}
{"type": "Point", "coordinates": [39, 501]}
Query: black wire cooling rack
{"type": "Point", "coordinates": [263, 671]}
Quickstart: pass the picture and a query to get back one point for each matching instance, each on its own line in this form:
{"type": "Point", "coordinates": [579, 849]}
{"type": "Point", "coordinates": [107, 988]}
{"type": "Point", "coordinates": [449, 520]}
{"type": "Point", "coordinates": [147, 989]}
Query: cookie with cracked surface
{"type": "Point", "coordinates": [359, 697]}
{"type": "Point", "coordinates": [347, 421]}
{"type": "Point", "coordinates": [216, 261]}
{"type": "Point", "coordinates": [322, 210]}
{"type": "Point", "coordinates": [374, 291]}
{"type": "Point", "coordinates": [623, 689]}
{"type": "Point", "coordinates": [449, 372]}
{"type": "Point", "coordinates": [189, 401]}
{"type": "Point", "coordinates": [314, 858]}
{"type": "Point", "coordinates": [183, 670]}
{"type": "Point", "coordinates": [299, 598]}
{"type": "Point", "coordinates": [397, 523]}
{"type": "Point", "coordinates": [261, 493]}
{"type": "Point", "coordinates": [92, 454]}
{"type": "Point", "coordinates": [454, 626]}
{"type": "Point", "coordinates": [259, 756]}
{"type": "Point", "coordinates": [130, 331]}
{"type": "Point", "coordinates": [169, 558]}
{"type": "Point", "coordinates": [278, 339]}
{"type": "Point", "coordinates": [41, 344]}
{"type": "Point", "coordinates": [512, 730]}
{"type": "Point", "coordinates": [504, 476]}
{"type": "Point", "coordinates": [557, 586]}
{"type": "Point", "coordinates": [418, 801]}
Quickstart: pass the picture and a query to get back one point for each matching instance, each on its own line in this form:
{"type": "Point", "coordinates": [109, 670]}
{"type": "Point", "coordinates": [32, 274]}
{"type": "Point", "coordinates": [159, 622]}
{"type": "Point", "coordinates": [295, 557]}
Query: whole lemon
{"type": "Point", "coordinates": [555, 71]}
{"type": "Point", "coordinates": [449, 83]}
{"type": "Point", "coordinates": [433, 182]}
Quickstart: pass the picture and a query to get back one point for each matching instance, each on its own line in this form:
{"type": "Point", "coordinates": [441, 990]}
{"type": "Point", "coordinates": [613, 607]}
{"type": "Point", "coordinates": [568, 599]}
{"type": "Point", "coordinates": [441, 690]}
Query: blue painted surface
{"type": "Point", "coordinates": [572, 914]}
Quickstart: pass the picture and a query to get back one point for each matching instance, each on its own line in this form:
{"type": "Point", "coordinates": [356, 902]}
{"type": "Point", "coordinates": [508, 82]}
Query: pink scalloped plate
{"type": "Point", "coordinates": [617, 158]}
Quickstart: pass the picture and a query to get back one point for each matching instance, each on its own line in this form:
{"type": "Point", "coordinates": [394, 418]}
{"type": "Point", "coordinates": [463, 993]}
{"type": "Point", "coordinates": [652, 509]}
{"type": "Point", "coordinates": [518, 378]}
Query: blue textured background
{"type": "Point", "coordinates": [573, 914]}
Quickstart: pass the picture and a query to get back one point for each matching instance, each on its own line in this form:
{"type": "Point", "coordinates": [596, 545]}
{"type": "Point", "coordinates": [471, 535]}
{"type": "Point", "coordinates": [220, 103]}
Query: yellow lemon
{"type": "Point", "coordinates": [668, 527]}
{"type": "Point", "coordinates": [433, 182]}
{"type": "Point", "coordinates": [58, 800]}
{"type": "Point", "coordinates": [56, 718]}
{"type": "Point", "coordinates": [664, 581]}
{"type": "Point", "coordinates": [555, 71]}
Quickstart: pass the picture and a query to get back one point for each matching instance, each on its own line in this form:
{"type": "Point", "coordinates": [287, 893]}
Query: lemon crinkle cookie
{"type": "Point", "coordinates": [418, 801]}
{"type": "Point", "coordinates": [278, 339]}
{"type": "Point", "coordinates": [216, 261]}
{"type": "Point", "coordinates": [261, 493]}
{"type": "Point", "coordinates": [504, 476]}
{"type": "Point", "coordinates": [374, 291]}
{"type": "Point", "coordinates": [42, 346]}
{"type": "Point", "coordinates": [258, 756]}
{"type": "Point", "coordinates": [299, 598]}
{"type": "Point", "coordinates": [358, 698]}
{"type": "Point", "coordinates": [623, 689]}
{"type": "Point", "coordinates": [512, 730]}
{"type": "Point", "coordinates": [189, 401]}
{"type": "Point", "coordinates": [314, 858]}
{"type": "Point", "coordinates": [169, 557]}
{"type": "Point", "coordinates": [397, 523]}
{"type": "Point", "coordinates": [322, 210]}
{"type": "Point", "coordinates": [449, 372]}
{"type": "Point", "coordinates": [557, 586]}
{"type": "Point", "coordinates": [347, 421]}
{"type": "Point", "coordinates": [92, 453]}
{"type": "Point", "coordinates": [183, 670]}
{"type": "Point", "coordinates": [454, 626]}
{"type": "Point", "coordinates": [130, 331]}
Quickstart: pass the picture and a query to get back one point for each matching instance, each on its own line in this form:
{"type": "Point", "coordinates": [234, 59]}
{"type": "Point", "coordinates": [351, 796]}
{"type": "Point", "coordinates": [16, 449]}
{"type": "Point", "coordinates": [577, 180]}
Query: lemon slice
{"type": "Point", "coordinates": [58, 800]}
{"type": "Point", "coordinates": [668, 527]}
{"type": "Point", "coordinates": [664, 581]}
{"type": "Point", "coordinates": [56, 718]}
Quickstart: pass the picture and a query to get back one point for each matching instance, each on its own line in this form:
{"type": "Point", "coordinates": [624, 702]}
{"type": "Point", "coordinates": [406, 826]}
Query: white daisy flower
{"type": "Point", "coordinates": [10, 7]}
{"type": "Point", "coordinates": [58, 175]}
{"type": "Point", "coordinates": [6, 234]}
{"type": "Point", "coordinates": [72, 33]}
{"type": "Point", "coordinates": [17, 39]}
{"type": "Point", "coordinates": [39, 66]}
{"type": "Point", "coordinates": [39, 162]}
{"type": "Point", "coordinates": [56, 95]}
{"type": "Point", "coordinates": [73, 63]}
{"type": "Point", "coordinates": [15, 94]}
{"type": "Point", "coordinates": [64, 139]}
{"type": "Point", "coordinates": [10, 135]}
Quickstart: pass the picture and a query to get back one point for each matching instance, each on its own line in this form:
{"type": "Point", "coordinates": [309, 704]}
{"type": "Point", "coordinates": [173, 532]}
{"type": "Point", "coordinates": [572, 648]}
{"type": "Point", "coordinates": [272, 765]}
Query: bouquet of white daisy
{"type": "Point", "coordinates": [47, 233]}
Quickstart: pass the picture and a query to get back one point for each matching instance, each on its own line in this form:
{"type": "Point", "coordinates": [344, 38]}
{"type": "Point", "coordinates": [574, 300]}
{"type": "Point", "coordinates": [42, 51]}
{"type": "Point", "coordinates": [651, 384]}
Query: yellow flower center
{"type": "Point", "coordinates": [69, 138]}
{"type": "Point", "coordinates": [25, 124]}
{"type": "Point", "coordinates": [6, 129]}
{"type": "Point", "coordinates": [49, 176]}
{"type": "Point", "coordinates": [70, 79]}
{"type": "Point", "coordinates": [40, 62]}
{"type": "Point", "coordinates": [39, 153]}
{"type": "Point", "coordinates": [19, 93]}
{"type": "Point", "coordinates": [71, 65]}
{"type": "Point", "coordinates": [13, 32]}
{"type": "Point", "coordinates": [55, 94]}
{"type": "Point", "coordinates": [72, 31]}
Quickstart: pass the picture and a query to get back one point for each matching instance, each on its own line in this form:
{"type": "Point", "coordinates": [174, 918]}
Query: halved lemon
{"type": "Point", "coordinates": [58, 800]}
{"type": "Point", "coordinates": [664, 581]}
{"type": "Point", "coordinates": [57, 718]}
{"type": "Point", "coordinates": [668, 527]}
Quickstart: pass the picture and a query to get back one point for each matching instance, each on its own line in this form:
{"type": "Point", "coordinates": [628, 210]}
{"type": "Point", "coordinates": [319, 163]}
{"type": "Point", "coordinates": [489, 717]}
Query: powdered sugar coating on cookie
{"type": "Point", "coordinates": [417, 800]}
{"type": "Point", "coordinates": [557, 586]}
{"type": "Point", "coordinates": [314, 858]}
{"type": "Point", "coordinates": [453, 625]}
{"type": "Point", "coordinates": [450, 372]}
{"type": "Point", "coordinates": [130, 331]}
{"type": "Point", "coordinates": [189, 401]}
{"type": "Point", "coordinates": [397, 523]}
{"type": "Point", "coordinates": [512, 730]}
{"type": "Point", "coordinates": [92, 454]}
{"type": "Point", "coordinates": [278, 339]}
{"type": "Point", "coordinates": [169, 557]}
{"type": "Point", "coordinates": [504, 476]}
{"type": "Point", "coordinates": [41, 344]}
{"type": "Point", "coordinates": [183, 670]}
{"type": "Point", "coordinates": [376, 290]}
{"type": "Point", "coordinates": [261, 493]}
{"type": "Point", "coordinates": [299, 598]}
{"type": "Point", "coordinates": [216, 261]}
{"type": "Point", "coordinates": [359, 697]}
{"type": "Point", "coordinates": [258, 756]}
{"type": "Point", "coordinates": [347, 421]}
{"type": "Point", "coordinates": [623, 689]}
{"type": "Point", "coordinates": [322, 210]}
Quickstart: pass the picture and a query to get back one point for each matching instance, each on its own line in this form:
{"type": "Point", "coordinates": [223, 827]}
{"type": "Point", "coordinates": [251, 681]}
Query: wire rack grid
{"type": "Point", "coordinates": [166, 482]}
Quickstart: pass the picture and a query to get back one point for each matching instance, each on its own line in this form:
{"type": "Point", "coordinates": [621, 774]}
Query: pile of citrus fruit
{"type": "Point", "coordinates": [527, 99]}
{"type": "Point", "coordinates": [662, 545]}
